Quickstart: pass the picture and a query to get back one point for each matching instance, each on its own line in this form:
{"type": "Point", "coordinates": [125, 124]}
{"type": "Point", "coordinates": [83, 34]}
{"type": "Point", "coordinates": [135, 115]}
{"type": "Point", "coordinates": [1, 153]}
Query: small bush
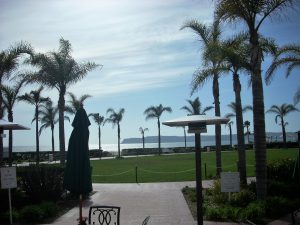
{"type": "Point", "coordinates": [31, 214]}
{"type": "Point", "coordinates": [253, 211]}
{"type": "Point", "coordinates": [277, 206]}
{"type": "Point", "coordinates": [242, 198]}
{"type": "Point", "coordinates": [213, 213]}
{"type": "Point", "coordinates": [5, 217]}
{"type": "Point", "coordinates": [218, 197]}
{"type": "Point", "coordinates": [49, 209]}
{"type": "Point", "coordinates": [281, 170]}
{"type": "Point", "coordinates": [190, 193]}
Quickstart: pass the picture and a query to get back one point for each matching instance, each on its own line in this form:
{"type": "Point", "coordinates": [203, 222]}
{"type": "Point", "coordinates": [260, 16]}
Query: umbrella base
{"type": "Point", "coordinates": [83, 222]}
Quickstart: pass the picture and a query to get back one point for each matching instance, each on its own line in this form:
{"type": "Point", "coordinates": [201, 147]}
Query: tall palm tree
{"type": "Point", "coordinates": [155, 112]}
{"type": "Point", "coordinates": [75, 103]}
{"type": "Point", "coordinates": [99, 120]}
{"type": "Point", "coordinates": [35, 98]}
{"type": "Point", "coordinates": [210, 37]}
{"type": "Point", "coordinates": [10, 95]}
{"type": "Point", "coordinates": [59, 70]}
{"type": "Point", "coordinates": [9, 62]}
{"type": "Point", "coordinates": [229, 124]}
{"type": "Point", "coordinates": [281, 112]}
{"type": "Point", "coordinates": [143, 130]}
{"type": "Point", "coordinates": [247, 125]}
{"type": "Point", "coordinates": [115, 118]}
{"type": "Point", "coordinates": [253, 13]}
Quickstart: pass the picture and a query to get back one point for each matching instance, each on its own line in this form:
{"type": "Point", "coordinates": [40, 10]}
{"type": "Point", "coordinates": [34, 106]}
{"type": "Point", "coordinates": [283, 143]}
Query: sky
{"type": "Point", "coordinates": [147, 60]}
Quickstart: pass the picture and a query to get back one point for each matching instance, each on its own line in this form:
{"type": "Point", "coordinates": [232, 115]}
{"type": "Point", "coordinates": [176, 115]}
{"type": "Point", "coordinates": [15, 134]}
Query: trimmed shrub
{"type": "Point", "coordinates": [253, 211]}
{"type": "Point", "coordinates": [43, 182]}
{"type": "Point", "coordinates": [218, 197]}
{"type": "Point", "coordinates": [277, 206]}
{"type": "Point", "coordinates": [242, 198]}
{"type": "Point", "coordinates": [31, 214]}
{"type": "Point", "coordinates": [5, 217]}
{"type": "Point", "coordinates": [281, 170]}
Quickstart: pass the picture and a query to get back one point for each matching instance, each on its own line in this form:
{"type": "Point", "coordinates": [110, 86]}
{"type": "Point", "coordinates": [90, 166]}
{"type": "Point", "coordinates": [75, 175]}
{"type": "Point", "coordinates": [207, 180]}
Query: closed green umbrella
{"type": "Point", "coordinates": [77, 177]}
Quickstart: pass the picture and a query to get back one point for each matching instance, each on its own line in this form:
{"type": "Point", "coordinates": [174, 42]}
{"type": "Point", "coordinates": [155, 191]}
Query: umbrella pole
{"type": "Point", "coordinates": [80, 209]}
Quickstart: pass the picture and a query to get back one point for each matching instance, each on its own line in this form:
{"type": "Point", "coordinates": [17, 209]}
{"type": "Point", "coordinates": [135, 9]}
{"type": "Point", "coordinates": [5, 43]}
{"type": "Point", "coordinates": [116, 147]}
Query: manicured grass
{"type": "Point", "coordinates": [168, 168]}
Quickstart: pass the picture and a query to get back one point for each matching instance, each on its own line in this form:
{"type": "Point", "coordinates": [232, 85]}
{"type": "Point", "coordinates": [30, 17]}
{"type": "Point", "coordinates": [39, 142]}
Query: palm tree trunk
{"type": "Point", "coordinates": [37, 135]}
{"type": "Point", "coordinates": [10, 140]}
{"type": "Point", "coordinates": [61, 109]}
{"type": "Point", "coordinates": [158, 124]}
{"type": "Point", "coordinates": [100, 149]}
{"type": "Point", "coordinates": [52, 139]}
{"type": "Point", "coordinates": [258, 117]}
{"type": "Point", "coordinates": [248, 133]}
{"type": "Point", "coordinates": [240, 129]}
{"type": "Point", "coordinates": [184, 137]}
{"type": "Point", "coordinates": [143, 136]}
{"type": "Point", "coordinates": [119, 148]}
{"type": "Point", "coordinates": [217, 126]}
{"type": "Point", "coordinates": [283, 132]}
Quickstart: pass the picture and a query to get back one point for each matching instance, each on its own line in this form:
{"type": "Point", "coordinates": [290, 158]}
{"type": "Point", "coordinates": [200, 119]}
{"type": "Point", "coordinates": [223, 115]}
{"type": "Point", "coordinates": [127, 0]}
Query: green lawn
{"type": "Point", "coordinates": [173, 167]}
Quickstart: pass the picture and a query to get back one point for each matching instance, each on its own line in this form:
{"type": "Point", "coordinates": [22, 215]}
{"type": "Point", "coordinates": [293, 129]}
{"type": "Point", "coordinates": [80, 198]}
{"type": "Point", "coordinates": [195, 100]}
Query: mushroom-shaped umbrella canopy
{"type": "Point", "coordinates": [77, 178]}
{"type": "Point", "coordinates": [197, 124]}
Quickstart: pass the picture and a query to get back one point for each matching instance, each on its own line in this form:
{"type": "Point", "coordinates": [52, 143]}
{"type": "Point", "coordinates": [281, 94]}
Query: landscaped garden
{"type": "Point", "coordinates": [39, 198]}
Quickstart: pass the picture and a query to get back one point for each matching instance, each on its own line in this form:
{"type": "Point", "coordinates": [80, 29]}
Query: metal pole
{"type": "Point", "coordinates": [136, 177]}
{"type": "Point", "coordinates": [198, 179]}
{"type": "Point", "coordinates": [205, 170]}
{"type": "Point", "coordinates": [10, 209]}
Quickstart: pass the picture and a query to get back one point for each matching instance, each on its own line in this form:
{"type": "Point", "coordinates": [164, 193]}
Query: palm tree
{"type": "Point", "coordinates": [59, 70]}
{"type": "Point", "coordinates": [75, 103]}
{"type": "Point", "coordinates": [35, 98]}
{"type": "Point", "coordinates": [99, 120]}
{"type": "Point", "coordinates": [247, 125]}
{"type": "Point", "coordinates": [253, 13]}
{"type": "Point", "coordinates": [115, 118]}
{"type": "Point", "coordinates": [10, 95]}
{"type": "Point", "coordinates": [287, 55]}
{"type": "Point", "coordinates": [195, 108]}
{"type": "Point", "coordinates": [142, 130]}
{"type": "Point", "coordinates": [210, 36]}
{"type": "Point", "coordinates": [155, 112]}
{"type": "Point", "coordinates": [229, 124]}
{"type": "Point", "coordinates": [8, 63]}
{"type": "Point", "coordinates": [48, 118]}
{"type": "Point", "coordinates": [281, 112]}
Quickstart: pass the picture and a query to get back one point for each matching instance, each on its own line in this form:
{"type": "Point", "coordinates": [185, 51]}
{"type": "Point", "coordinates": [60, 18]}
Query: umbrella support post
{"type": "Point", "coordinates": [80, 209]}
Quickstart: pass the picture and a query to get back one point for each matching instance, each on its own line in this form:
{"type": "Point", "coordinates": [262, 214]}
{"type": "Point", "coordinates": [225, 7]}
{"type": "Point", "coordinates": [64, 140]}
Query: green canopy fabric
{"type": "Point", "coordinates": [77, 178]}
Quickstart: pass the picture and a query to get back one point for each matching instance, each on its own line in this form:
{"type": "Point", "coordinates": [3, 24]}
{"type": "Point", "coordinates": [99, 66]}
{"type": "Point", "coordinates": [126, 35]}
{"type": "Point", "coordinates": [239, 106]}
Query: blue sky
{"type": "Point", "coordinates": [147, 59]}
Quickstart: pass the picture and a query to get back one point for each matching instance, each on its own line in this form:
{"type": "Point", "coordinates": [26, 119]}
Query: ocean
{"type": "Point", "coordinates": [205, 141]}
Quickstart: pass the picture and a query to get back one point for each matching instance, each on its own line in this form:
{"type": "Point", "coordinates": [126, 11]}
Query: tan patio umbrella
{"type": "Point", "coordinates": [197, 125]}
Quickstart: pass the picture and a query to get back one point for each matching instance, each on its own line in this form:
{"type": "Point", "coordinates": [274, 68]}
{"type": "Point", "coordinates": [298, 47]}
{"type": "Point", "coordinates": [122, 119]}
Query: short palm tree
{"type": "Point", "coordinates": [99, 120]}
{"type": "Point", "coordinates": [8, 63]}
{"type": "Point", "coordinates": [35, 98]}
{"type": "Point", "coordinates": [229, 124]}
{"type": "Point", "coordinates": [115, 118]}
{"type": "Point", "coordinates": [59, 70]}
{"type": "Point", "coordinates": [143, 130]}
{"type": "Point", "coordinates": [247, 125]}
{"type": "Point", "coordinates": [211, 39]}
{"type": "Point", "coordinates": [10, 96]}
{"type": "Point", "coordinates": [75, 103]}
{"type": "Point", "coordinates": [281, 112]}
{"type": "Point", "coordinates": [48, 117]}
{"type": "Point", "coordinates": [253, 14]}
{"type": "Point", "coordinates": [155, 112]}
